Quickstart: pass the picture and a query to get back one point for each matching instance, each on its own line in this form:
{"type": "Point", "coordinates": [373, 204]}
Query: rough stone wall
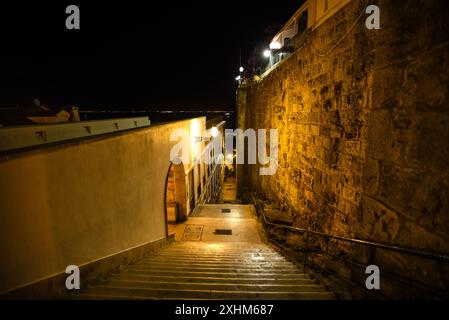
{"type": "Point", "coordinates": [364, 134]}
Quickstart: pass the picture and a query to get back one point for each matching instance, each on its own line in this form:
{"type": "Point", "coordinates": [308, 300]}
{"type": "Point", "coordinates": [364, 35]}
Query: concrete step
{"type": "Point", "coordinates": [150, 293]}
{"type": "Point", "coordinates": [239, 269]}
{"type": "Point", "coordinates": [195, 273]}
{"type": "Point", "coordinates": [229, 246]}
{"type": "Point", "coordinates": [220, 250]}
{"type": "Point", "coordinates": [217, 260]}
{"type": "Point", "coordinates": [244, 249]}
{"type": "Point", "coordinates": [177, 278]}
{"type": "Point", "coordinates": [198, 270]}
{"type": "Point", "coordinates": [215, 255]}
{"type": "Point", "coordinates": [201, 264]}
{"type": "Point", "coordinates": [116, 283]}
{"type": "Point", "coordinates": [189, 245]}
{"type": "Point", "coordinates": [216, 247]}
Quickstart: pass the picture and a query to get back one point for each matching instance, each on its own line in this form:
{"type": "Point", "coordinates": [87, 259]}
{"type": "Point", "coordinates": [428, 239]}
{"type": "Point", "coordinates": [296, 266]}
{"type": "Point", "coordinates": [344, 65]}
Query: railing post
{"type": "Point", "coordinates": [306, 251]}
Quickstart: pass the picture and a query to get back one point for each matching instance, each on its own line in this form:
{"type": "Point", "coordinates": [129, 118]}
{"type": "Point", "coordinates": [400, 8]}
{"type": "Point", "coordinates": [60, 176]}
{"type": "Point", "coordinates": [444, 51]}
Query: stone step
{"type": "Point", "coordinates": [213, 255]}
{"type": "Point", "coordinates": [146, 293]}
{"type": "Point", "coordinates": [177, 278]}
{"type": "Point", "coordinates": [217, 260]}
{"type": "Point", "coordinates": [115, 283]}
{"type": "Point", "coordinates": [198, 270]}
{"type": "Point", "coordinates": [224, 245]}
{"type": "Point", "coordinates": [203, 264]}
{"type": "Point", "coordinates": [196, 273]}
{"type": "Point", "coordinates": [197, 245]}
{"type": "Point", "coordinates": [218, 250]}
{"type": "Point", "coordinates": [200, 245]}
{"type": "Point", "coordinates": [239, 269]}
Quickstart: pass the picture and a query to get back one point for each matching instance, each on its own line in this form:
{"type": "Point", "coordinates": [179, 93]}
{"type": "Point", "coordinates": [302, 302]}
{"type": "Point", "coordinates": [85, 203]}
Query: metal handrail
{"type": "Point", "coordinates": [412, 251]}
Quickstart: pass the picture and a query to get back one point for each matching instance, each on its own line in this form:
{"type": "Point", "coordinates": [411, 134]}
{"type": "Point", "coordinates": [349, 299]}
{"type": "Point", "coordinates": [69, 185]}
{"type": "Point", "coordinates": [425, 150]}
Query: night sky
{"type": "Point", "coordinates": [133, 54]}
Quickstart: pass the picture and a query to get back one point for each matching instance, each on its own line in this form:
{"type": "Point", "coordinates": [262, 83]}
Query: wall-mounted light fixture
{"type": "Point", "coordinates": [214, 131]}
{"type": "Point", "coordinates": [275, 45]}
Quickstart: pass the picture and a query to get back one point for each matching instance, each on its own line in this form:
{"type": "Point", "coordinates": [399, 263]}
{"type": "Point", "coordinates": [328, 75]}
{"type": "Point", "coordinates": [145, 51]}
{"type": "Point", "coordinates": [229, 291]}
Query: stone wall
{"type": "Point", "coordinates": [364, 135]}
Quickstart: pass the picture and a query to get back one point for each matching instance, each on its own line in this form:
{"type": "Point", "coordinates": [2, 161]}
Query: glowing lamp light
{"type": "Point", "coordinates": [214, 131]}
{"type": "Point", "coordinates": [241, 69]}
{"type": "Point", "coordinates": [275, 45]}
{"type": "Point", "coordinates": [267, 53]}
{"type": "Point", "coordinates": [238, 78]}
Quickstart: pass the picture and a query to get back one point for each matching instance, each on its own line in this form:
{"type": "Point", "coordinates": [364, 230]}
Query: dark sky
{"type": "Point", "coordinates": [132, 54]}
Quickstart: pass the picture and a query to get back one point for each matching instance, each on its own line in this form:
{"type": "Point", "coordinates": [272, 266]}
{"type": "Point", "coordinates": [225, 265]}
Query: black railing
{"type": "Point", "coordinates": [441, 257]}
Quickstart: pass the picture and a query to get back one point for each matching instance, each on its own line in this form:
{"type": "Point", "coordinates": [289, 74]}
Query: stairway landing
{"type": "Point", "coordinates": [208, 218]}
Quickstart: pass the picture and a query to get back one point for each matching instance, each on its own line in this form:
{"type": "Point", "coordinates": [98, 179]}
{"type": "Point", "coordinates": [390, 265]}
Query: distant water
{"type": "Point", "coordinates": [158, 116]}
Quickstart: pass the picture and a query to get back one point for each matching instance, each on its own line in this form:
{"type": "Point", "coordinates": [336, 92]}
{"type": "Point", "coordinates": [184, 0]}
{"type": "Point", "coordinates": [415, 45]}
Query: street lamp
{"type": "Point", "coordinates": [214, 131]}
{"type": "Point", "coordinates": [267, 53]}
{"type": "Point", "coordinates": [275, 45]}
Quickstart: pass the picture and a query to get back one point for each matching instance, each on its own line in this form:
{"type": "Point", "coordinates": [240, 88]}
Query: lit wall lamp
{"type": "Point", "coordinates": [275, 45]}
{"type": "Point", "coordinates": [267, 53]}
{"type": "Point", "coordinates": [213, 133]}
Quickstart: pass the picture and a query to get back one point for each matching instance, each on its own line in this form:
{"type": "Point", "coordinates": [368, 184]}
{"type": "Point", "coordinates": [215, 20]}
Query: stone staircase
{"type": "Point", "coordinates": [205, 270]}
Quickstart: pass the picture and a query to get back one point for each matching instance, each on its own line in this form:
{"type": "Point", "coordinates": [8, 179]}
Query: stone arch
{"type": "Point", "coordinates": [176, 193]}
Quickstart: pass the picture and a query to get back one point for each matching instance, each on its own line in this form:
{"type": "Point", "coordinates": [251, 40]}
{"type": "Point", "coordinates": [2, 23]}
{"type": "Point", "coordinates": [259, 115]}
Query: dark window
{"type": "Point", "coordinates": [302, 22]}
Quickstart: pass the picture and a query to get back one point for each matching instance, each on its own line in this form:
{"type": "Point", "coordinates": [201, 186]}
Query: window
{"type": "Point", "coordinates": [302, 22]}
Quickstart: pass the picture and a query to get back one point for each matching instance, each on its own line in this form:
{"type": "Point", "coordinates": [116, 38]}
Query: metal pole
{"type": "Point", "coordinates": [306, 251]}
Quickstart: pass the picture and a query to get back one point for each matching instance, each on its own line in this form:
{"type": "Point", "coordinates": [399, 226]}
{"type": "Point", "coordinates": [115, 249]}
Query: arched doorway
{"type": "Point", "coordinates": [175, 194]}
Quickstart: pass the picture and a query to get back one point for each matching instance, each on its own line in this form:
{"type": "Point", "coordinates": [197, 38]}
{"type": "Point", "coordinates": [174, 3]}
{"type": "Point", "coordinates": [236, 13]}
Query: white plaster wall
{"type": "Point", "coordinates": [80, 202]}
